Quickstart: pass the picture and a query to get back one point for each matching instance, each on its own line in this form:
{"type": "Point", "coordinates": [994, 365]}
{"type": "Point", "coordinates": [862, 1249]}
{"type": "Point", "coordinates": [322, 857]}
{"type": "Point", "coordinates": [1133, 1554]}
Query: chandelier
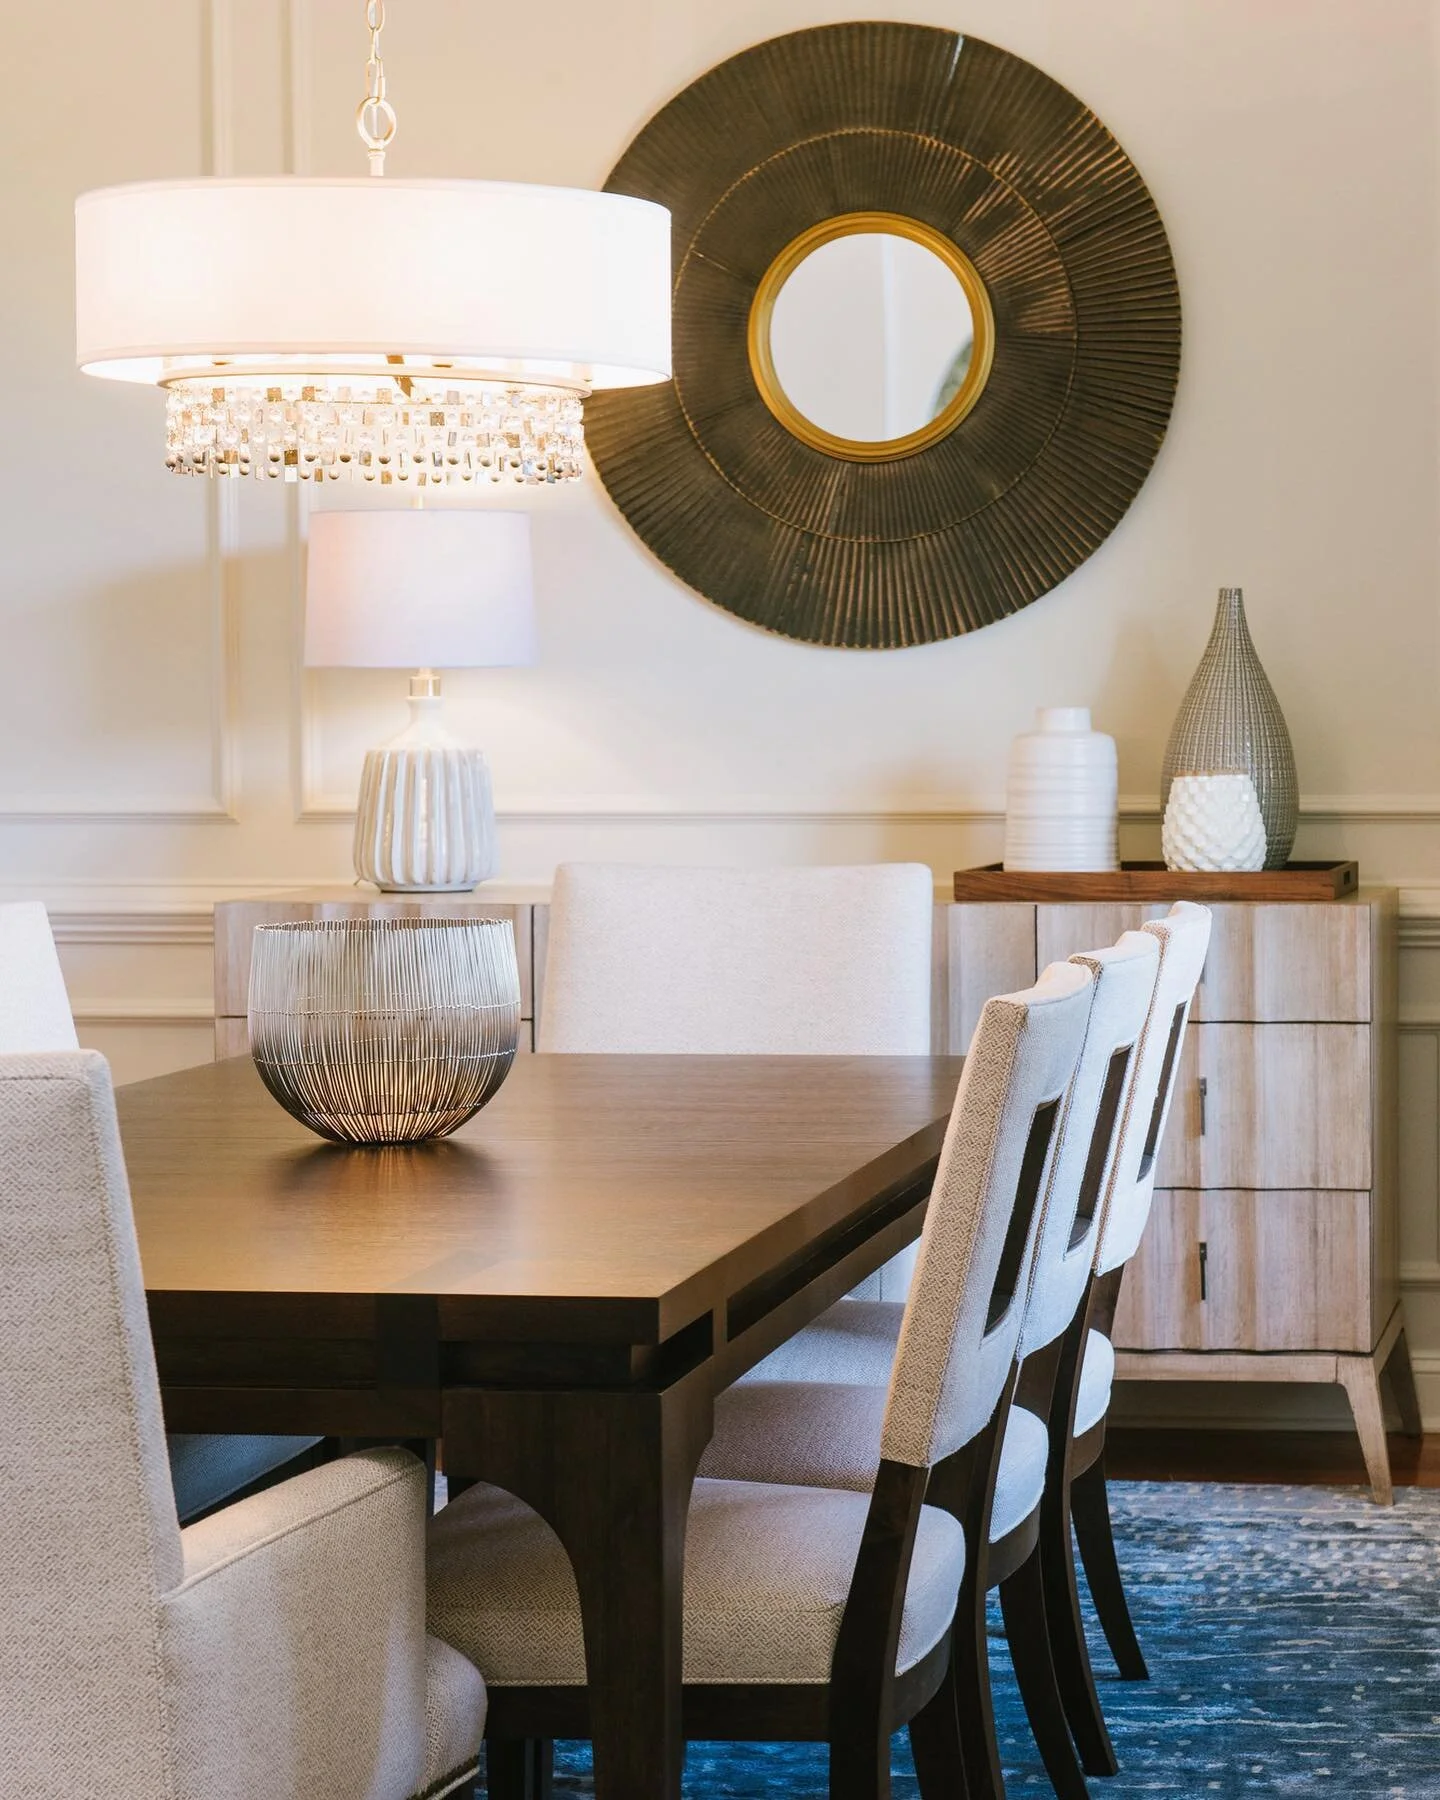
{"type": "Point", "coordinates": [381, 330]}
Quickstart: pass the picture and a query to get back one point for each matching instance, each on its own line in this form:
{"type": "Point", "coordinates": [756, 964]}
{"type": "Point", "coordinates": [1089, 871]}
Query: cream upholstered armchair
{"type": "Point", "coordinates": [35, 1017]}
{"type": "Point", "coordinates": [752, 962]}
{"type": "Point", "coordinates": [277, 1648]}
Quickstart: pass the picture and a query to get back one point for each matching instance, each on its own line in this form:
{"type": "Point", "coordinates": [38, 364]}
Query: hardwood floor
{"type": "Point", "coordinates": [1324, 1458]}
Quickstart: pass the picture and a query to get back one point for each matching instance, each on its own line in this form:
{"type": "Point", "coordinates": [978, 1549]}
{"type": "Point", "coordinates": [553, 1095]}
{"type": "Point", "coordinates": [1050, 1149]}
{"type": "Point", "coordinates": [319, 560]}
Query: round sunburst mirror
{"type": "Point", "coordinates": [870, 336]}
{"type": "Point", "coordinates": [926, 336]}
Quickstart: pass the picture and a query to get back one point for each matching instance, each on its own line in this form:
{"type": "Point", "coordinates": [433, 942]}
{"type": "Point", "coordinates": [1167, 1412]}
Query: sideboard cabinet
{"type": "Point", "coordinates": [1272, 1252]}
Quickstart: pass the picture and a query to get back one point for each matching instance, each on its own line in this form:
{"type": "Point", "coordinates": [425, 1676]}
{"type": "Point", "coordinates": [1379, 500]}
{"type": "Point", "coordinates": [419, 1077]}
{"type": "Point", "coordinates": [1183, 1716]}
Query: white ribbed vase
{"type": "Point", "coordinates": [425, 823]}
{"type": "Point", "coordinates": [1061, 795]}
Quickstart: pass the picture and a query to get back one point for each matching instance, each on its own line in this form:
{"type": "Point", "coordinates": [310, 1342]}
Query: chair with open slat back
{"type": "Point", "coordinates": [815, 1613]}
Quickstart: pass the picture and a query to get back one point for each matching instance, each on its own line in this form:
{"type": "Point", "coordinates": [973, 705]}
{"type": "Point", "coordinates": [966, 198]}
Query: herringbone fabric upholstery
{"type": "Point", "coordinates": [34, 1007]}
{"type": "Point", "coordinates": [950, 1365]}
{"type": "Point", "coordinates": [1183, 936]}
{"type": "Point", "coordinates": [1125, 977]}
{"type": "Point", "coordinates": [276, 1649]}
{"type": "Point", "coordinates": [749, 962]}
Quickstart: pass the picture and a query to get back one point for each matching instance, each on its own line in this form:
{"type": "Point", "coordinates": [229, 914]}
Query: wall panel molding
{"type": "Point", "coordinates": [222, 549]}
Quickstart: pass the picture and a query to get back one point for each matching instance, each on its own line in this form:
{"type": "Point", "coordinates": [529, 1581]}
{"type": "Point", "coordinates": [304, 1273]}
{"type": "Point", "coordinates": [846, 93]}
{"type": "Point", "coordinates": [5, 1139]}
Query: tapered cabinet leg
{"type": "Point", "coordinates": [1090, 1513]}
{"type": "Point", "coordinates": [1402, 1384]}
{"type": "Point", "coordinates": [1361, 1381]}
{"type": "Point", "coordinates": [1022, 1601]}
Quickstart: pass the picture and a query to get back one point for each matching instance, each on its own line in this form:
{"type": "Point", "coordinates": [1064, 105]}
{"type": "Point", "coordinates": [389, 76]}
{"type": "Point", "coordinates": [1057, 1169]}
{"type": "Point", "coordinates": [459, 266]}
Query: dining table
{"type": "Point", "coordinates": [556, 1292]}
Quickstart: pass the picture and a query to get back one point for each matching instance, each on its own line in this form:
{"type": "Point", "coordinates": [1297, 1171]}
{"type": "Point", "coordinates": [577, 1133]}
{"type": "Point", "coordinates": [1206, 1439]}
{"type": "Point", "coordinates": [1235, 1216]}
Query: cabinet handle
{"type": "Point", "coordinates": [1204, 1258]}
{"type": "Point", "coordinates": [1204, 1089]}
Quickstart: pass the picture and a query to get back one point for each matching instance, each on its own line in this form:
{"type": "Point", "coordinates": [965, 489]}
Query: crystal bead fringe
{"type": "Point", "coordinates": [372, 431]}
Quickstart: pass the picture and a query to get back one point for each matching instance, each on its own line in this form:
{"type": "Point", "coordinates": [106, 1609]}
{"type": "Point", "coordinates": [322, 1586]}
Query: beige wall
{"type": "Point", "coordinates": [158, 745]}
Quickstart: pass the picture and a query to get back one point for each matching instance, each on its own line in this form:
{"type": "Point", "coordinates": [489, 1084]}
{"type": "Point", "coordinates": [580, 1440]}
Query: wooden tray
{"type": "Point", "coordinates": [1153, 881]}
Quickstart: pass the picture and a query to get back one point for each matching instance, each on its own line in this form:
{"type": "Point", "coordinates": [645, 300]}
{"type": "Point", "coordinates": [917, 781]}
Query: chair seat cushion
{"type": "Point", "coordinates": [1020, 1483]}
{"type": "Point", "coordinates": [827, 1434]}
{"type": "Point", "coordinates": [1097, 1378]}
{"type": "Point", "coordinates": [206, 1468]}
{"type": "Point", "coordinates": [854, 1341]}
{"type": "Point", "coordinates": [767, 1571]}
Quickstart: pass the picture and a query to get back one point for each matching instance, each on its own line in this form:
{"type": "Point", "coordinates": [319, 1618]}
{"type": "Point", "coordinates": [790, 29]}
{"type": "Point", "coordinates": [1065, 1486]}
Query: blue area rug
{"type": "Point", "coordinates": [1293, 1637]}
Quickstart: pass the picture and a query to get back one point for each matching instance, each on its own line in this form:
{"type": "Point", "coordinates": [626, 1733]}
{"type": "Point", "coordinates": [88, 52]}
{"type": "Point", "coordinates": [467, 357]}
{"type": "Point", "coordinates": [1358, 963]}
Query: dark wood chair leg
{"type": "Point", "coordinates": [1022, 1601]}
{"type": "Point", "coordinates": [975, 1712]}
{"type": "Point", "coordinates": [1090, 1510]}
{"type": "Point", "coordinates": [936, 1747]}
{"type": "Point", "coordinates": [1069, 1653]}
{"type": "Point", "coordinates": [519, 1769]}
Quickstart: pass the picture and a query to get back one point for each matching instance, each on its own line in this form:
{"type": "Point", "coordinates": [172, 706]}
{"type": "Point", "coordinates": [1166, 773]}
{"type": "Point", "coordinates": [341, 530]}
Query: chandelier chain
{"type": "Point", "coordinates": [375, 116]}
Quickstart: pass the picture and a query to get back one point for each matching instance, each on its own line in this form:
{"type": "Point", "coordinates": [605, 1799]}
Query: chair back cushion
{"type": "Point", "coordinates": [1183, 936]}
{"type": "Point", "coordinates": [1089, 1134]}
{"type": "Point", "coordinates": [34, 1009]}
{"type": "Point", "coordinates": [88, 1536]}
{"type": "Point", "coordinates": [962, 1320]}
{"type": "Point", "coordinates": [781, 961]}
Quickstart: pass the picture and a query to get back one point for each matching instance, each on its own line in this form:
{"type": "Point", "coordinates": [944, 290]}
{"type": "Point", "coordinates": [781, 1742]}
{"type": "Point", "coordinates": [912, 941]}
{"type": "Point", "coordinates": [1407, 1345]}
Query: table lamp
{"type": "Point", "coordinates": [423, 590]}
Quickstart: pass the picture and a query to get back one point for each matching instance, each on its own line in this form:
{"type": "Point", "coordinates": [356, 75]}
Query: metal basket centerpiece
{"type": "Point", "coordinates": [383, 1031]}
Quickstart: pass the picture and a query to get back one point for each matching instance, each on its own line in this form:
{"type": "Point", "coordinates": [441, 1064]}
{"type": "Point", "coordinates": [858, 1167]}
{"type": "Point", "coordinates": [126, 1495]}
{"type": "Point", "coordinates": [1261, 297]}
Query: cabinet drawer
{"type": "Point", "coordinates": [235, 922]}
{"type": "Point", "coordinates": [1270, 1106]}
{"type": "Point", "coordinates": [1291, 962]}
{"type": "Point", "coordinates": [1280, 1271]}
{"type": "Point", "coordinates": [1295, 963]}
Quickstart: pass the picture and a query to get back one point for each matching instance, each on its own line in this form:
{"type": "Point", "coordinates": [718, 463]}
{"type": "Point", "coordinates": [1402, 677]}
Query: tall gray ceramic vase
{"type": "Point", "coordinates": [1230, 720]}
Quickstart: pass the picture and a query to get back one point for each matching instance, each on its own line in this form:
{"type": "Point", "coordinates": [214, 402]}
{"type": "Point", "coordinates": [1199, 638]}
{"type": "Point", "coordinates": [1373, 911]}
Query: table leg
{"type": "Point", "coordinates": [611, 1472]}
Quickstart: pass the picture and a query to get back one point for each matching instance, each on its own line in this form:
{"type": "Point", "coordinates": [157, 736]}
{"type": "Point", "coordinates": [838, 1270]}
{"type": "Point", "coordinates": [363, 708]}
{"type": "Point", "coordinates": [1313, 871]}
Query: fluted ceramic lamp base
{"type": "Point", "coordinates": [426, 820]}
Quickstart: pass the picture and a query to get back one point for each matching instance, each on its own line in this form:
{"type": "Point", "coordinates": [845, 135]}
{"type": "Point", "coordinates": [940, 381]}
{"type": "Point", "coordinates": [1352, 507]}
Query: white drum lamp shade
{"type": "Point", "coordinates": [308, 329]}
{"type": "Point", "coordinates": [428, 590]}
{"type": "Point", "coordinates": [437, 589]}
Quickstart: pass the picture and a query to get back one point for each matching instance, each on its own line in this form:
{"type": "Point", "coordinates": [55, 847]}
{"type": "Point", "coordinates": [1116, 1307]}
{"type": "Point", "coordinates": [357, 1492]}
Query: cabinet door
{"type": "Point", "coordinates": [1270, 1106]}
{"type": "Point", "coordinates": [1250, 1271]}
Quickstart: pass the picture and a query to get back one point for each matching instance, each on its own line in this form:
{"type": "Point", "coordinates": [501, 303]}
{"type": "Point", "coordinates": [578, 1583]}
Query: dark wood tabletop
{"type": "Point", "coordinates": [558, 1291]}
{"type": "Point", "coordinates": [649, 1187]}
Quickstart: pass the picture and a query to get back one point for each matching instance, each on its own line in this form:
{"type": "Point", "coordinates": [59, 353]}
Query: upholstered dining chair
{"type": "Point", "coordinates": [35, 1017]}
{"type": "Point", "coordinates": [1077, 1492]}
{"type": "Point", "coordinates": [757, 962]}
{"type": "Point", "coordinates": [824, 1427]}
{"type": "Point", "coordinates": [858, 1337]}
{"type": "Point", "coordinates": [814, 1613]}
{"type": "Point", "coordinates": [277, 1648]}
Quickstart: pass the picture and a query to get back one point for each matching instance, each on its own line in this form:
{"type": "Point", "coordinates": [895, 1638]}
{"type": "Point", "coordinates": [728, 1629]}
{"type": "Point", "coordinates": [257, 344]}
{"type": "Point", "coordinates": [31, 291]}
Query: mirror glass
{"type": "Point", "coordinates": [871, 337]}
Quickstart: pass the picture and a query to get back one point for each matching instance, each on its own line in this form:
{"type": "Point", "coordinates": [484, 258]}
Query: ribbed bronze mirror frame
{"type": "Point", "coordinates": [987, 151]}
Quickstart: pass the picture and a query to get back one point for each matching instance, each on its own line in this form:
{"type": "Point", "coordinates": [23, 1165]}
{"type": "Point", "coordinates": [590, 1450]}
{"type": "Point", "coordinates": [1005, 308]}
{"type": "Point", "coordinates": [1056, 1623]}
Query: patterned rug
{"type": "Point", "coordinates": [1293, 1636]}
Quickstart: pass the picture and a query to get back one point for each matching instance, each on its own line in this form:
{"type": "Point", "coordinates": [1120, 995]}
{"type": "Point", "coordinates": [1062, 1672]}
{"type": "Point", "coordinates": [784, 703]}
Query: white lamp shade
{"type": "Point", "coordinates": [438, 589]}
{"type": "Point", "coordinates": [530, 283]}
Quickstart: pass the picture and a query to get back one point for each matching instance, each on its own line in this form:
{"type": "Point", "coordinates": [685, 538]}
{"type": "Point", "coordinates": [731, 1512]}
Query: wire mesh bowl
{"type": "Point", "coordinates": [384, 1031]}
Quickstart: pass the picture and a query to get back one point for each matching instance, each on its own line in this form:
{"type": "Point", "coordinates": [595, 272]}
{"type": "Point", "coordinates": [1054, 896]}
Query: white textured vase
{"type": "Point", "coordinates": [1213, 822]}
{"type": "Point", "coordinates": [426, 820]}
{"type": "Point", "coordinates": [1061, 795]}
